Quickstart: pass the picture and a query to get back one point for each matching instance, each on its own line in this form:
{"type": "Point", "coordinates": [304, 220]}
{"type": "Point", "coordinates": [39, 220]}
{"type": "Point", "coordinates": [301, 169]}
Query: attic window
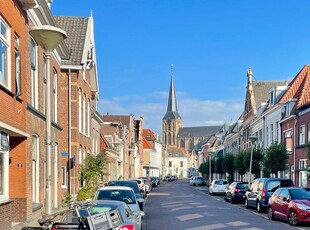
{"type": "Point", "coordinates": [148, 136]}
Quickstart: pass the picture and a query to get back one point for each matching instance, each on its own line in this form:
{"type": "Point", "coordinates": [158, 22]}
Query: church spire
{"type": "Point", "coordinates": [172, 110]}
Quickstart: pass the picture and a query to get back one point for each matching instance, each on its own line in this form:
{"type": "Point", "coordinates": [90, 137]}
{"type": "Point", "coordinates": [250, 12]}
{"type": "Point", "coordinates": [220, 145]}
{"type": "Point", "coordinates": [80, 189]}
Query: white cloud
{"type": "Point", "coordinates": [194, 112]}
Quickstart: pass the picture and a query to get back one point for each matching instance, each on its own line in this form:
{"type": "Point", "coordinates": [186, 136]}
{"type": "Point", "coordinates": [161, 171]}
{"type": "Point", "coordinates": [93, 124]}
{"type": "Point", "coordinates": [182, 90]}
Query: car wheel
{"type": "Point", "coordinates": [211, 193]}
{"type": "Point", "coordinates": [258, 207]}
{"type": "Point", "coordinates": [292, 218]}
{"type": "Point", "coordinates": [246, 203]}
{"type": "Point", "coordinates": [270, 213]}
{"type": "Point", "coordinates": [225, 198]}
{"type": "Point", "coordinates": [232, 200]}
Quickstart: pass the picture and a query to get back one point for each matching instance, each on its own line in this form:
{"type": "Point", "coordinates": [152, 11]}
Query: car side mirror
{"type": "Point", "coordinates": [140, 200]}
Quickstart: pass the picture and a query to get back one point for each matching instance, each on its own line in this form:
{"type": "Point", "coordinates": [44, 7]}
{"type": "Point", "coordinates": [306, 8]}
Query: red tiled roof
{"type": "Point", "coordinates": [146, 144]}
{"type": "Point", "coordinates": [299, 88]}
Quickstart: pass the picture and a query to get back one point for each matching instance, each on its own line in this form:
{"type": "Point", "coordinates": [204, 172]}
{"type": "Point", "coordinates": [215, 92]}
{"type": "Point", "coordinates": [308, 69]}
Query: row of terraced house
{"type": "Point", "coordinates": [274, 111]}
{"type": "Point", "coordinates": [49, 120]}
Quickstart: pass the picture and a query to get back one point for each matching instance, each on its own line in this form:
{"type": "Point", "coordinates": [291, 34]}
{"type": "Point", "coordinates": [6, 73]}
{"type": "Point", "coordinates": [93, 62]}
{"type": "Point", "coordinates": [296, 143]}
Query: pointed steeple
{"type": "Point", "coordinates": [172, 110]}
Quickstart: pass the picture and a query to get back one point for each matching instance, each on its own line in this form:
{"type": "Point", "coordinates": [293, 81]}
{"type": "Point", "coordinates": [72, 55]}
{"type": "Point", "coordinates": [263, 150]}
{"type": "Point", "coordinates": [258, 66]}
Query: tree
{"type": "Point", "coordinates": [256, 161]}
{"type": "Point", "coordinates": [91, 172]}
{"type": "Point", "coordinates": [203, 168]}
{"type": "Point", "coordinates": [218, 165]}
{"type": "Point", "coordinates": [239, 162]}
{"type": "Point", "coordinates": [275, 159]}
{"type": "Point", "coordinates": [228, 165]}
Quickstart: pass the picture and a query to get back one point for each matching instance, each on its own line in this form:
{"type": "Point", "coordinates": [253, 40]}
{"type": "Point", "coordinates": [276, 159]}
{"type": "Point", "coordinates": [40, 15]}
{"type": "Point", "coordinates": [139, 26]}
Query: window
{"type": "Point", "coordinates": [63, 176]}
{"type": "Point", "coordinates": [170, 163]}
{"type": "Point", "coordinates": [80, 110]}
{"type": "Point", "coordinates": [18, 91]}
{"type": "Point", "coordinates": [267, 136]}
{"type": "Point", "coordinates": [181, 164]}
{"type": "Point", "coordinates": [35, 169]}
{"type": "Point", "coordinates": [84, 114]}
{"type": "Point", "coordinates": [271, 133]}
{"type": "Point", "coordinates": [4, 54]}
{"type": "Point", "coordinates": [302, 135]}
{"type": "Point", "coordinates": [88, 118]}
{"type": "Point", "coordinates": [55, 92]}
{"type": "Point", "coordinates": [308, 132]}
{"type": "Point", "coordinates": [277, 131]}
{"type": "Point", "coordinates": [34, 74]}
{"type": "Point", "coordinates": [302, 164]}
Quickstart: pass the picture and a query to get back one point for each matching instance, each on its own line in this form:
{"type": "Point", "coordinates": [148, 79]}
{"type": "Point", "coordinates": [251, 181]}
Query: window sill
{"type": "Point", "coordinates": [301, 146]}
{"type": "Point", "coordinates": [5, 201]}
{"type": "Point", "coordinates": [36, 206]}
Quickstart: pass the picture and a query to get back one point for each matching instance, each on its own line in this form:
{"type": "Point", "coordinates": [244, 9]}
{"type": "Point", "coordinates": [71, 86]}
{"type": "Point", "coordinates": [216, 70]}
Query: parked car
{"type": "Point", "coordinates": [218, 186]}
{"type": "Point", "coordinates": [261, 190]}
{"type": "Point", "coordinates": [129, 218]}
{"type": "Point", "coordinates": [197, 180]}
{"type": "Point", "coordinates": [155, 181]}
{"type": "Point", "coordinates": [131, 184]}
{"type": "Point", "coordinates": [121, 193]}
{"type": "Point", "coordinates": [291, 204]}
{"type": "Point", "coordinates": [148, 183]}
{"type": "Point", "coordinates": [142, 187]}
{"type": "Point", "coordinates": [235, 192]}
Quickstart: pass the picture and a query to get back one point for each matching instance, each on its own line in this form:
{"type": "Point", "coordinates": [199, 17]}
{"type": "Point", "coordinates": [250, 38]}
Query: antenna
{"type": "Point", "coordinates": [171, 69]}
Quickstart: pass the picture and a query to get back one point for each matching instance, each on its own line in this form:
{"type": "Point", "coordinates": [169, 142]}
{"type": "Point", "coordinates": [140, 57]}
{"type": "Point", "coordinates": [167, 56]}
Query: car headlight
{"type": "Point", "coordinates": [303, 207]}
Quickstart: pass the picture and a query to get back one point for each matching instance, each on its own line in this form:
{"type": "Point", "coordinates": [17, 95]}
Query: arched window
{"type": "Point", "coordinates": [80, 110]}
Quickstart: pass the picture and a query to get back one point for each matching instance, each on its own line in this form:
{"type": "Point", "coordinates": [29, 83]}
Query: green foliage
{"type": "Point", "coordinates": [87, 192]}
{"type": "Point", "coordinates": [203, 168]}
{"type": "Point", "coordinates": [218, 165]}
{"type": "Point", "coordinates": [275, 159]}
{"type": "Point", "coordinates": [239, 162]}
{"type": "Point", "coordinates": [257, 161]}
{"type": "Point", "coordinates": [67, 198]}
{"type": "Point", "coordinates": [93, 169]}
{"type": "Point", "coordinates": [228, 164]}
{"type": "Point", "coordinates": [91, 172]}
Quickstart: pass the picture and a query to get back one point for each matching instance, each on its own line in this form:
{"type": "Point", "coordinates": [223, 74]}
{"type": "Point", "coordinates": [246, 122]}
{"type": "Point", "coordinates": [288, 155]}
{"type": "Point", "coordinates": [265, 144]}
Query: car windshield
{"type": "Point", "coordinates": [300, 194]}
{"type": "Point", "coordinates": [220, 182]}
{"type": "Point", "coordinates": [132, 185]}
{"type": "Point", "coordinates": [242, 186]}
{"type": "Point", "coordinates": [96, 209]}
{"type": "Point", "coordinates": [126, 196]}
{"type": "Point", "coordinates": [199, 178]}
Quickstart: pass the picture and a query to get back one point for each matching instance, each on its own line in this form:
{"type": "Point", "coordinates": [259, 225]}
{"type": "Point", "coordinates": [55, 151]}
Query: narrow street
{"type": "Point", "coordinates": [176, 205]}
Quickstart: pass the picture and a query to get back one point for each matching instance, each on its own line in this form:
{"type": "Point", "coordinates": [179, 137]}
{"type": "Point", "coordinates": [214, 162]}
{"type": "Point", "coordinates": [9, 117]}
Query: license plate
{"type": "Point", "coordinates": [221, 190]}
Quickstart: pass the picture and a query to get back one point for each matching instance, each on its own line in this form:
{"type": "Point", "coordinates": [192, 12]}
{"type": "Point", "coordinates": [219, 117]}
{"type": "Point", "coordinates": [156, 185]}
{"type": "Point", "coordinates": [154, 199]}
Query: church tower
{"type": "Point", "coordinates": [172, 121]}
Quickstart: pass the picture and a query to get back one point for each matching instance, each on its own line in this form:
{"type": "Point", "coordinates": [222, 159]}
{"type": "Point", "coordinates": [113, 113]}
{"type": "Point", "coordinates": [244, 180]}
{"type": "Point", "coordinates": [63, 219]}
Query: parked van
{"type": "Point", "coordinates": [262, 189]}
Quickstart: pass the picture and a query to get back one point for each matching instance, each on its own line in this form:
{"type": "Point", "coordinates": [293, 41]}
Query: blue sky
{"type": "Point", "coordinates": [210, 43]}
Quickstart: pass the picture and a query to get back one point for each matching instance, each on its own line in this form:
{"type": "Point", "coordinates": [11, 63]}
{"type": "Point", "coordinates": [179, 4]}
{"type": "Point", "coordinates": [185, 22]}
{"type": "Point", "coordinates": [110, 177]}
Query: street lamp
{"type": "Point", "coordinates": [252, 138]}
{"type": "Point", "coordinates": [48, 37]}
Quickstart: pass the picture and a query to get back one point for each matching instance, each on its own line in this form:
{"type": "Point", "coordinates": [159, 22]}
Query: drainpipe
{"type": "Point", "coordinates": [69, 131]}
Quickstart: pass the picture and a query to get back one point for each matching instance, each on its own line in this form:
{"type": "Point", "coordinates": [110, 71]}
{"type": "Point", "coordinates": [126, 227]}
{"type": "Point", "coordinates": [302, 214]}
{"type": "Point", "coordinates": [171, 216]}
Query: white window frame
{"type": "Point", "coordinates": [55, 92]}
{"type": "Point", "coordinates": [302, 164]}
{"type": "Point", "coordinates": [63, 177]}
{"type": "Point", "coordinates": [35, 168]}
{"type": "Point", "coordinates": [84, 114]}
{"type": "Point", "coordinates": [80, 110]}
{"type": "Point", "coordinates": [5, 39]}
{"type": "Point", "coordinates": [34, 74]}
{"type": "Point", "coordinates": [18, 82]}
{"type": "Point", "coordinates": [88, 118]}
{"type": "Point", "coordinates": [271, 133]}
{"type": "Point", "coordinates": [4, 170]}
{"type": "Point", "coordinates": [302, 134]}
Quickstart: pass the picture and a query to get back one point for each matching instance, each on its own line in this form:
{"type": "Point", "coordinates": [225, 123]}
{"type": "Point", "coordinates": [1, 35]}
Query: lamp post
{"type": "Point", "coordinates": [252, 139]}
{"type": "Point", "coordinates": [48, 37]}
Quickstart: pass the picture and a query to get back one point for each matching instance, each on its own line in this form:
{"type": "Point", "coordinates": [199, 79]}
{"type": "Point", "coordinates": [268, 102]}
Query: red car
{"type": "Point", "coordinates": [291, 204]}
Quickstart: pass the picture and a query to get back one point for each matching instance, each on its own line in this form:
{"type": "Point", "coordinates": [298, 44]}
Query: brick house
{"type": "Point", "coordinates": [295, 125]}
{"type": "Point", "coordinates": [79, 81]}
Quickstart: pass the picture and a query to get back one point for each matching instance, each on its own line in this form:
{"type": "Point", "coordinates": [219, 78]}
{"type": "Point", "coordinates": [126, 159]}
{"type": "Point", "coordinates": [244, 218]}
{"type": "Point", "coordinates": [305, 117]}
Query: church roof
{"type": "Point", "coordinates": [172, 109]}
{"type": "Point", "coordinates": [199, 131]}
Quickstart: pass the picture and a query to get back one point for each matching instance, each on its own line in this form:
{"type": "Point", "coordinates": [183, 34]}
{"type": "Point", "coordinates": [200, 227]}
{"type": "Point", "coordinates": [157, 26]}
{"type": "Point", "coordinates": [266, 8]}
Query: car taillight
{"type": "Point", "coordinates": [237, 190]}
{"type": "Point", "coordinates": [127, 227]}
{"type": "Point", "coordinates": [263, 193]}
